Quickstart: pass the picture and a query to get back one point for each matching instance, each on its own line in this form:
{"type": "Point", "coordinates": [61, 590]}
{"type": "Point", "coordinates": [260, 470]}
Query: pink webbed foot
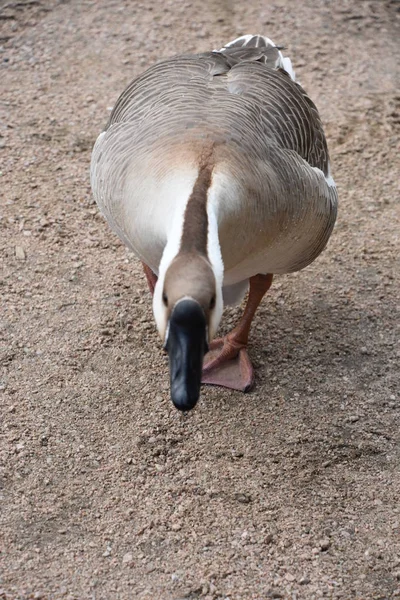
{"type": "Point", "coordinates": [227, 364]}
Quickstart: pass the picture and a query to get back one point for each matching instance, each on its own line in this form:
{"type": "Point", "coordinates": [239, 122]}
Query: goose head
{"type": "Point", "coordinates": [187, 306]}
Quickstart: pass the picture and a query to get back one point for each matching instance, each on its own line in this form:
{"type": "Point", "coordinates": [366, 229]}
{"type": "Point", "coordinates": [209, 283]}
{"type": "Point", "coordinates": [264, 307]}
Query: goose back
{"type": "Point", "coordinates": [271, 187]}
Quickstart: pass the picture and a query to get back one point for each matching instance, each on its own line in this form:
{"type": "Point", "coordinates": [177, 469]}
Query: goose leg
{"type": "Point", "coordinates": [151, 278]}
{"type": "Point", "coordinates": [228, 364]}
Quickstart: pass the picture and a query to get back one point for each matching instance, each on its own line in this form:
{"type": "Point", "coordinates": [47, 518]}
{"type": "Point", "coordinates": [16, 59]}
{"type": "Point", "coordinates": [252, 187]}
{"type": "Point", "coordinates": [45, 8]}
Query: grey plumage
{"type": "Point", "coordinates": [276, 200]}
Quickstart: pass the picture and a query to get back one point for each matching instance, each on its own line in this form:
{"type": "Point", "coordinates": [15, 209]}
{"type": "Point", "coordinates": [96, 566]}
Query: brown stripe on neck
{"type": "Point", "coordinates": [195, 222]}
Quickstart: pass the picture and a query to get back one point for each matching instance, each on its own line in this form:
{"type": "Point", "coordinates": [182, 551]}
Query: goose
{"type": "Point", "coordinates": [214, 170]}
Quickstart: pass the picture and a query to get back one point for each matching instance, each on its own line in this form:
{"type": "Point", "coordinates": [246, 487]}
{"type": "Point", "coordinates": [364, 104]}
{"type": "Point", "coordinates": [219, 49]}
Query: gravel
{"type": "Point", "coordinates": [291, 491]}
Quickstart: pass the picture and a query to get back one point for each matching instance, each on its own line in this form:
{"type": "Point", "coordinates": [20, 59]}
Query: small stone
{"type": "Point", "coordinates": [237, 454]}
{"type": "Point", "coordinates": [243, 498]}
{"type": "Point", "coordinates": [106, 332]}
{"type": "Point", "coordinates": [212, 589]}
{"type": "Point", "coordinates": [176, 526]}
{"type": "Point", "coordinates": [20, 253]}
{"type": "Point", "coordinates": [325, 544]}
{"type": "Point", "coordinates": [353, 418]}
{"type": "Point", "coordinates": [127, 558]}
{"type": "Point", "coordinates": [305, 580]}
{"type": "Point", "coordinates": [269, 538]}
{"type": "Point", "coordinates": [290, 577]}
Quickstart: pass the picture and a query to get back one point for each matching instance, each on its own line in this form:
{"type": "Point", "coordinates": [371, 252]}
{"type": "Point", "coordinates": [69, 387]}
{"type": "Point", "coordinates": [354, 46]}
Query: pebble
{"type": "Point", "coordinates": [325, 544]}
{"type": "Point", "coordinates": [269, 538]}
{"type": "Point", "coordinates": [243, 498]}
{"type": "Point", "coordinates": [127, 558]}
{"type": "Point", "coordinates": [20, 253]}
{"type": "Point", "coordinates": [106, 332]}
{"type": "Point", "coordinates": [353, 418]}
{"type": "Point", "coordinates": [305, 580]}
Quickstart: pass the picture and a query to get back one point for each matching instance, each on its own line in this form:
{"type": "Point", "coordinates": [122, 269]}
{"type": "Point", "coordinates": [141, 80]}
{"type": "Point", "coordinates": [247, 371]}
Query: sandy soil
{"type": "Point", "coordinates": [107, 492]}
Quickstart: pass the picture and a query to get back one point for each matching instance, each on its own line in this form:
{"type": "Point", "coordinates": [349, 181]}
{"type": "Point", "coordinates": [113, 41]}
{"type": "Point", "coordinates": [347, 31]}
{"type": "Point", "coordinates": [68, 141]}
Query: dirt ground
{"type": "Point", "coordinates": [107, 492]}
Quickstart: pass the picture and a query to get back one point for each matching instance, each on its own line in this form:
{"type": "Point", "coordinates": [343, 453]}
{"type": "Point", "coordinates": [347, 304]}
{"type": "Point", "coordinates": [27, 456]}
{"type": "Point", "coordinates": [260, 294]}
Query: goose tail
{"type": "Point", "coordinates": [271, 53]}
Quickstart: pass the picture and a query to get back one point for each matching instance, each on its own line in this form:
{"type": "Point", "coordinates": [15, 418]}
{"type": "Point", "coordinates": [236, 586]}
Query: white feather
{"type": "Point", "coordinates": [284, 62]}
{"type": "Point", "coordinates": [215, 257]}
{"type": "Point", "coordinates": [328, 178]}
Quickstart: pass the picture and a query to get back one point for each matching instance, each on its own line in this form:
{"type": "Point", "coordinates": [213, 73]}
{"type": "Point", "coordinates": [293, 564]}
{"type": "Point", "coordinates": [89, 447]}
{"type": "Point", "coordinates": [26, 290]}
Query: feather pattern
{"type": "Point", "coordinates": [271, 190]}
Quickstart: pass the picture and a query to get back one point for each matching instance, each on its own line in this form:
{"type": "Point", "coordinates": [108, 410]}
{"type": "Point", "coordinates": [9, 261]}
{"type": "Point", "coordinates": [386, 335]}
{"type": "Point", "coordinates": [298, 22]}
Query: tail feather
{"type": "Point", "coordinates": [270, 53]}
{"type": "Point", "coordinates": [250, 41]}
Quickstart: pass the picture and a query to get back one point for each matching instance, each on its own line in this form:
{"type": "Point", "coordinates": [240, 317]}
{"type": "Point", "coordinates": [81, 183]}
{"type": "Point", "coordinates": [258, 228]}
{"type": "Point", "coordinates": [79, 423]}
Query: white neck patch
{"type": "Point", "coordinates": [171, 250]}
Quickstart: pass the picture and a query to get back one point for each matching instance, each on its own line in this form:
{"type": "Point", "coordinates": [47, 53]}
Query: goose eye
{"type": "Point", "coordinates": [165, 299]}
{"type": "Point", "coordinates": [212, 302]}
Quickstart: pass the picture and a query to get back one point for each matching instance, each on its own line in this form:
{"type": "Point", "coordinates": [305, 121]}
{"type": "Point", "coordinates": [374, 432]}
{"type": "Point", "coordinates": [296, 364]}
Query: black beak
{"type": "Point", "coordinates": [186, 346]}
